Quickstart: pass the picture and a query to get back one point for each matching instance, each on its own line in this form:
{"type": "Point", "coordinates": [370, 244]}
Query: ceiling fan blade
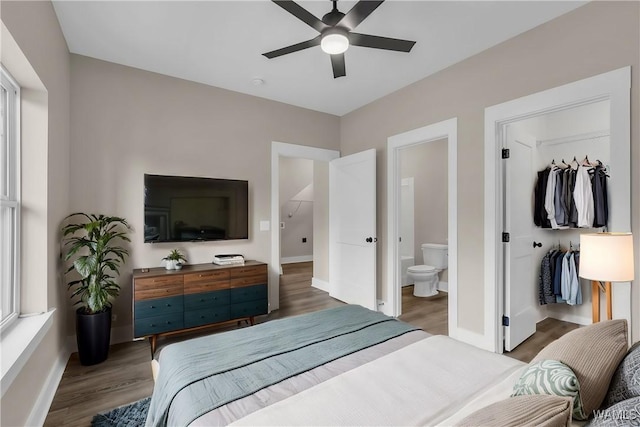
{"type": "Point", "coordinates": [337, 62]}
{"type": "Point", "coordinates": [359, 13]}
{"type": "Point", "coordinates": [377, 42]}
{"type": "Point", "coordinates": [293, 48]}
{"type": "Point", "coordinates": [302, 14]}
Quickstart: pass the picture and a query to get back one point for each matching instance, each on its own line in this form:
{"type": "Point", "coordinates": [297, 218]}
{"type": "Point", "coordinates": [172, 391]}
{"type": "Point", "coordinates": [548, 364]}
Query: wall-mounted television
{"type": "Point", "coordinates": [184, 209]}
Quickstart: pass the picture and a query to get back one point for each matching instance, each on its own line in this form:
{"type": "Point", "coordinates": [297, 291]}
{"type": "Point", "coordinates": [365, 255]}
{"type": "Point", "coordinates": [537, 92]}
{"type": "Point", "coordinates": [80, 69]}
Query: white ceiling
{"type": "Point", "coordinates": [220, 43]}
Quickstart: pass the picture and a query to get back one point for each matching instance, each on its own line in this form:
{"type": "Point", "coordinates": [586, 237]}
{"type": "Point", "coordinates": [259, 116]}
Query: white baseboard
{"type": "Point", "coordinates": [47, 393]}
{"type": "Point", "coordinates": [568, 317]}
{"type": "Point", "coordinates": [294, 259]}
{"type": "Point", "coordinates": [320, 284]}
{"type": "Point", "coordinates": [443, 286]}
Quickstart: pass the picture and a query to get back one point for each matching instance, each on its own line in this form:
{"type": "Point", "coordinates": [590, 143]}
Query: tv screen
{"type": "Point", "coordinates": [183, 209]}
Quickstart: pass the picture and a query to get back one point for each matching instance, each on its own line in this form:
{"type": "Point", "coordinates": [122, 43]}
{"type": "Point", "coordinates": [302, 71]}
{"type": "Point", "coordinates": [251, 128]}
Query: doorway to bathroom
{"type": "Point", "coordinates": [422, 225]}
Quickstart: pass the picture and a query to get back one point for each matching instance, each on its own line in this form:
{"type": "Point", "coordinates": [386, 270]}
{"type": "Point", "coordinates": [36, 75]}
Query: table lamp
{"type": "Point", "coordinates": [605, 257]}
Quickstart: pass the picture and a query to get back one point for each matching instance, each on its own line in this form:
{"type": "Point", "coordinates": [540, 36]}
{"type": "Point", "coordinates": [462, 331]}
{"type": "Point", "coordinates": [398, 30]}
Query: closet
{"type": "Point", "coordinates": [576, 138]}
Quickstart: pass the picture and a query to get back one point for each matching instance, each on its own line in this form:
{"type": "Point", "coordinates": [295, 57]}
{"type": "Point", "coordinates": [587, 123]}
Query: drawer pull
{"type": "Point", "coordinates": [201, 299]}
{"type": "Point", "coordinates": [168, 322]}
{"type": "Point", "coordinates": [153, 325]}
{"type": "Point", "coordinates": [168, 305]}
{"type": "Point", "coordinates": [153, 306]}
{"type": "Point", "coordinates": [202, 317]}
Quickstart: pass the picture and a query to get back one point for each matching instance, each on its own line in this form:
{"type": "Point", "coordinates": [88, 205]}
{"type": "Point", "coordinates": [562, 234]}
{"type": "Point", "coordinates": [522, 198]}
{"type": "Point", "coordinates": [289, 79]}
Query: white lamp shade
{"type": "Point", "coordinates": [606, 257]}
{"type": "Point", "coordinates": [334, 43]}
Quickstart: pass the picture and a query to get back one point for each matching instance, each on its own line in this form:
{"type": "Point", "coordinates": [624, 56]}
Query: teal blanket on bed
{"type": "Point", "coordinates": [217, 369]}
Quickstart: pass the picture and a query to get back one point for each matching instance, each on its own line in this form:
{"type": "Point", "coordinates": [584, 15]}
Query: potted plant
{"type": "Point", "coordinates": [93, 245]}
{"type": "Point", "coordinates": [173, 261]}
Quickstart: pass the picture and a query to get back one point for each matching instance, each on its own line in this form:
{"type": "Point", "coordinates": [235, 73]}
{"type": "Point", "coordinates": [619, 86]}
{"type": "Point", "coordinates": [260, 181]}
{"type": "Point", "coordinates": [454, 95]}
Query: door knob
{"type": "Point", "coordinates": [369, 239]}
{"type": "Point", "coordinates": [537, 244]}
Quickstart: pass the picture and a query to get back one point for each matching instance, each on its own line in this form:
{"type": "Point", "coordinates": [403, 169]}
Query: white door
{"type": "Point", "coordinates": [520, 274]}
{"type": "Point", "coordinates": [352, 224]}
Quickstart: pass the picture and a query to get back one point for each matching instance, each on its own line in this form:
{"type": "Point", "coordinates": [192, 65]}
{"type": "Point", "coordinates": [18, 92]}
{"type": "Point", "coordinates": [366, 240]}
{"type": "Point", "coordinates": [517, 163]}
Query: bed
{"type": "Point", "coordinates": [352, 366]}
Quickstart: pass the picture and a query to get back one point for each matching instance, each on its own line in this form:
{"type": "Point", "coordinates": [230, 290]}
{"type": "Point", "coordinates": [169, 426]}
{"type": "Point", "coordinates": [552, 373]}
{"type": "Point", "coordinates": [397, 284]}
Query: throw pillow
{"type": "Point", "coordinates": [554, 378]}
{"type": "Point", "coordinates": [622, 414]}
{"type": "Point", "coordinates": [532, 410]}
{"type": "Point", "coordinates": [625, 383]}
{"type": "Point", "coordinates": [593, 354]}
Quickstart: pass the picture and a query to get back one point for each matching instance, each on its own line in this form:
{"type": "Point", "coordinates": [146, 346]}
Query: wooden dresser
{"type": "Point", "coordinates": [172, 301]}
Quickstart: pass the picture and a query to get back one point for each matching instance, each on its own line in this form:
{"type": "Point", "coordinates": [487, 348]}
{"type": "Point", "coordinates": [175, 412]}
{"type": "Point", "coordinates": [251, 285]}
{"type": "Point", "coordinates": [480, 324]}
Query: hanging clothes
{"type": "Point", "coordinates": [545, 287]}
{"type": "Point", "coordinates": [600, 199]}
{"type": "Point", "coordinates": [569, 200]}
{"type": "Point", "coordinates": [575, 291]}
{"type": "Point", "coordinates": [539, 212]}
{"type": "Point", "coordinates": [583, 195]}
{"type": "Point", "coordinates": [549, 200]}
{"type": "Point", "coordinates": [558, 200]}
{"type": "Point", "coordinates": [558, 280]}
{"type": "Point", "coordinates": [572, 196]}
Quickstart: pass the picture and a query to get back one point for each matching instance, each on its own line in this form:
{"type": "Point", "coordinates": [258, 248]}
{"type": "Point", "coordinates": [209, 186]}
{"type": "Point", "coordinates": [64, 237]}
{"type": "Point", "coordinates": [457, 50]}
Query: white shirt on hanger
{"type": "Point", "coordinates": [583, 197]}
{"type": "Point", "coordinates": [549, 203]}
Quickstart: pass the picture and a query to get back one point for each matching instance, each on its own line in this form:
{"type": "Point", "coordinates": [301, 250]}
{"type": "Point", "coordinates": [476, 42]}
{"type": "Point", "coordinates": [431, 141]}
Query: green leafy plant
{"type": "Point", "coordinates": [175, 255]}
{"type": "Point", "coordinates": [93, 244]}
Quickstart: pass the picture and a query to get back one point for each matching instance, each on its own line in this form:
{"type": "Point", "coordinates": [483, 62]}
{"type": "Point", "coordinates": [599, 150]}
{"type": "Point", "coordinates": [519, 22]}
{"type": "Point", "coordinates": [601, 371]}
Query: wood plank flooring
{"type": "Point", "coordinates": [126, 375]}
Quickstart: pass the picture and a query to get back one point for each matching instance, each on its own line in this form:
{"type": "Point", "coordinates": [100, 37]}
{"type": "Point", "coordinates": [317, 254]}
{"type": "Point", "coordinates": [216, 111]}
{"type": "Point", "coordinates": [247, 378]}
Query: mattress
{"type": "Point", "coordinates": [413, 378]}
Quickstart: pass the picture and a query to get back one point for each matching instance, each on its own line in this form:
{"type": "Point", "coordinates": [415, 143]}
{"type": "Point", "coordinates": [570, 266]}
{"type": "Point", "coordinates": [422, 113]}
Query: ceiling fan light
{"type": "Point", "coordinates": [334, 43]}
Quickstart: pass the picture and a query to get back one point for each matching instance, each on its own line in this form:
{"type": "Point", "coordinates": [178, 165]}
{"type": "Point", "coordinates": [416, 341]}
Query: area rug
{"type": "Point", "coordinates": [131, 415]}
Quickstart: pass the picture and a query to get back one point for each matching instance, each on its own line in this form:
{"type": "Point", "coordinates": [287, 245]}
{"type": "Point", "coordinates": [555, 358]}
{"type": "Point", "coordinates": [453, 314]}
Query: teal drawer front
{"type": "Point", "coordinates": [248, 293]}
{"type": "Point", "coordinates": [206, 316]}
{"type": "Point", "coordinates": [158, 324]}
{"type": "Point", "coordinates": [158, 306]}
{"type": "Point", "coordinates": [206, 300]}
{"type": "Point", "coordinates": [247, 309]}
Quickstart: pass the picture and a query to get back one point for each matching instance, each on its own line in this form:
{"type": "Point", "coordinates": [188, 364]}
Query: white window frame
{"type": "Point", "coordinates": [11, 259]}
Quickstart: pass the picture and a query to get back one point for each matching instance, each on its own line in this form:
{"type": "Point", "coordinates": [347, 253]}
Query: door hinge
{"type": "Point", "coordinates": [505, 320]}
{"type": "Point", "coordinates": [505, 237]}
{"type": "Point", "coordinates": [505, 153]}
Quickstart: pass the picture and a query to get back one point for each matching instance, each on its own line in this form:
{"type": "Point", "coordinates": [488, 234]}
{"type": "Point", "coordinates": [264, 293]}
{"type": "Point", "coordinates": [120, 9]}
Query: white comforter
{"type": "Point", "coordinates": [431, 382]}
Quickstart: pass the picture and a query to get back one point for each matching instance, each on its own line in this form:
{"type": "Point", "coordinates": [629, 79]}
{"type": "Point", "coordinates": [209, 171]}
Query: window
{"type": "Point", "coordinates": [9, 197]}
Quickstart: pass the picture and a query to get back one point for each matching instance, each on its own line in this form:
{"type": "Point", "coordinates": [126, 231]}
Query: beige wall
{"type": "Point", "coordinates": [35, 29]}
{"type": "Point", "coordinates": [127, 122]}
{"type": "Point", "coordinates": [427, 164]}
{"type": "Point", "coordinates": [596, 38]}
{"type": "Point", "coordinates": [295, 175]}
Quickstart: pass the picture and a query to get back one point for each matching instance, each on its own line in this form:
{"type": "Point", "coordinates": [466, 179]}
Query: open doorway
{"type": "Point", "coordinates": [409, 161]}
{"type": "Point", "coordinates": [505, 127]}
{"type": "Point", "coordinates": [282, 152]}
{"type": "Point", "coordinates": [424, 234]}
{"type": "Point", "coordinates": [296, 210]}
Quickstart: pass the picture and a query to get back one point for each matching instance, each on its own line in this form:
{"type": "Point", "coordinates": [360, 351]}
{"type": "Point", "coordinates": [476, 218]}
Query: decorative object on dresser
{"type": "Point", "coordinates": [173, 261]}
{"type": "Point", "coordinates": [168, 301]}
{"type": "Point", "coordinates": [93, 246]}
{"type": "Point", "coordinates": [605, 257]}
{"type": "Point", "coordinates": [228, 259]}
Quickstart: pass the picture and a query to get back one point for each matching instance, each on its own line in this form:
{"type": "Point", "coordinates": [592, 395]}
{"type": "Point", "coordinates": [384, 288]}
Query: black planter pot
{"type": "Point", "coordinates": [93, 333]}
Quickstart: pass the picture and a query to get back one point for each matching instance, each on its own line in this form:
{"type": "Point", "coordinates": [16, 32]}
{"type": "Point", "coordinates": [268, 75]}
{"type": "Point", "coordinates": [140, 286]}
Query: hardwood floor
{"type": "Point", "coordinates": [126, 375]}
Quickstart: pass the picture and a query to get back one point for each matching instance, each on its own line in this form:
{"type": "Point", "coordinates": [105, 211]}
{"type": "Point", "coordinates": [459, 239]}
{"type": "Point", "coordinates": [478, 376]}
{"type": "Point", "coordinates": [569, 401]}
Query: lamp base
{"type": "Point", "coordinates": [596, 287]}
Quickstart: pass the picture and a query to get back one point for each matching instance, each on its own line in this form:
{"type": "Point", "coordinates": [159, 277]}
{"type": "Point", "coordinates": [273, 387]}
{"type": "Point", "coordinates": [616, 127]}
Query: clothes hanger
{"type": "Point", "coordinates": [587, 163]}
{"type": "Point", "coordinates": [574, 162]}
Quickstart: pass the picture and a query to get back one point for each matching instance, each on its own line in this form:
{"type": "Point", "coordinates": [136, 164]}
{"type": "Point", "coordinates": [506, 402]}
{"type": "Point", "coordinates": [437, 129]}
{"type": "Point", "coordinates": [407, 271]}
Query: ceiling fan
{"type": "Point", "coordinates": [336, 32]}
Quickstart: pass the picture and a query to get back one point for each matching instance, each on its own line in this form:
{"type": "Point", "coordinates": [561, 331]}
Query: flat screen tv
{"type": "Point", "coordinates": [184, 209]}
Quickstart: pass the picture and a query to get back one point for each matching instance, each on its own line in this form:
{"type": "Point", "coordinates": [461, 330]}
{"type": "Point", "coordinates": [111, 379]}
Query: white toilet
{"type": "Point", "coordinates": [425, 277]}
